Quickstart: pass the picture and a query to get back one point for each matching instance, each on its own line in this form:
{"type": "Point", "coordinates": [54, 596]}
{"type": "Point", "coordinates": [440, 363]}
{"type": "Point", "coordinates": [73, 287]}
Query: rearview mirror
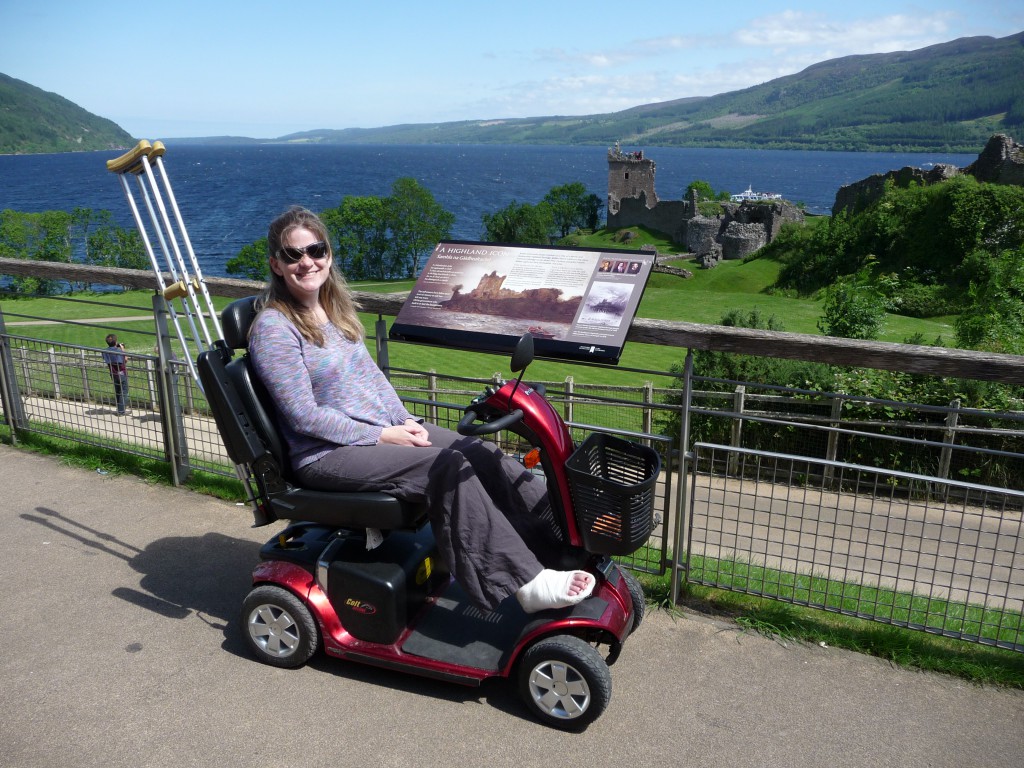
{"type": "Point", "coordinates": [522, 355]}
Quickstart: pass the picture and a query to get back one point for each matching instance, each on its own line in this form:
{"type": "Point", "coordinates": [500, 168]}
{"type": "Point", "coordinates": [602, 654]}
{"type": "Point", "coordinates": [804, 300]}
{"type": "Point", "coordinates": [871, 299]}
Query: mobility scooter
{"type": "Point", "coordinates": [318, 585]}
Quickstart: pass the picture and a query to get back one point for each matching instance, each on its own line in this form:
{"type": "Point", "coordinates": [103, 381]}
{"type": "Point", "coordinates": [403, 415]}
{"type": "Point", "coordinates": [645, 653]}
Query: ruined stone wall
{"type": "Point", "coordinates": [668, 216]}
{"type": "Point", "coordinates": [859, 195]}
{"type": "Point", "coordinates": [740, 239]}
{"type": "Point", "coordinates": [770, 216]}
{"type": "Point", "coordinates": [1000, 162]}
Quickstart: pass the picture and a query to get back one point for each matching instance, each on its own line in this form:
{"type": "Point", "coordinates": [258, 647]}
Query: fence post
{"type": "Point", "coordinates": [681, 554]}
{"type": "Point", "coordinates": [739, 399]}
{"type": "Point", "coordinates": [152, 372]}
{"type": "Point", "coordinates": [568, 408]}
{"type": "Point", "coordinates": [26, 371]}
{"type": "Point", "coordinates": [86, 383]}
{"type": "Point", "coordinates": [380, 337]}
{"type": "Point", "coordinates": [832, 448]}
{"type": "Point", "coordinates": [948, 438]}
{"type": "Point", "coordinates": [10, 396]}
{"type": "Point", "coordinates": [172, 420]}
{"type": "Point", "coordinates": [648, 414]}
{"type": "Point", "coordinates": [51, 355]}
{"type": "Point", "coordinates": [432, 395]}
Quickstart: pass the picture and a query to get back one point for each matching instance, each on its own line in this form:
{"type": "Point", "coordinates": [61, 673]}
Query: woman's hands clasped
{"type": "Point", "coordinates": [410, 433]}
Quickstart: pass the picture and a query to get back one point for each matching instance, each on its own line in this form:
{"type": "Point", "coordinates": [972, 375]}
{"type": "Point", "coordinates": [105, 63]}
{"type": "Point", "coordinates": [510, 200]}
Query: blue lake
{"type": "Point", "coordinates": [227, 195]}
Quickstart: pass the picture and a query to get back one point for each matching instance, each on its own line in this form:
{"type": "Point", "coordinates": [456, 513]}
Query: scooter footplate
{"type": "Point", "coordinates": [454, 631]}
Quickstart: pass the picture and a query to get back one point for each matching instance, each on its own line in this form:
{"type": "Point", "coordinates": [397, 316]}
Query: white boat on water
{"type": "Point", "coordinates": [750, 194]}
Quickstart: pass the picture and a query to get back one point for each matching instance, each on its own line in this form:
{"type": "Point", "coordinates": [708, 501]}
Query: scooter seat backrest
{"type": "Point", "coordinates": [260, 409]}
{"type": "Point", "coordinates": [236, 320]}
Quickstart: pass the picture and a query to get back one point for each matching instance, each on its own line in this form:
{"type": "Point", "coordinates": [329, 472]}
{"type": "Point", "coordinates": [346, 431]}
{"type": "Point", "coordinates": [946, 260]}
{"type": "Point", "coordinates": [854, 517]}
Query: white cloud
{"type": "Point", "coordinates": [895, 32]}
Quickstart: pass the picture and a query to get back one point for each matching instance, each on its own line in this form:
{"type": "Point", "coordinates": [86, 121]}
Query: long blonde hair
{"type": "Point", "coordinates": [335, 296]}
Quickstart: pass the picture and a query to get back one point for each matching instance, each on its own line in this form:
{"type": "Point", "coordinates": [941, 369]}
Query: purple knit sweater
{"type": "Point", "coordinates": [325, 396]}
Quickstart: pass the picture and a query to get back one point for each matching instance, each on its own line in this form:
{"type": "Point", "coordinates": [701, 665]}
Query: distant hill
{"type": "Point", "coordinates": [33, 120]}
{"type": "Point", "coordinates": [949, 97]}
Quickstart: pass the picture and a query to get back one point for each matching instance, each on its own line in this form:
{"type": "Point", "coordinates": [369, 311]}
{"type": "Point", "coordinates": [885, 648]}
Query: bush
{"type": "Point", "coordinates": [852, 311]}
{"type": "Point", "coordinates": [939, 240]}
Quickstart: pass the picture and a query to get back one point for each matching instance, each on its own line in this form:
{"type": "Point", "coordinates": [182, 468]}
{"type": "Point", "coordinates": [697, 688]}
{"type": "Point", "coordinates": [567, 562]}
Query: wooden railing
{"type": "Point", "coordinates": [937, 361]}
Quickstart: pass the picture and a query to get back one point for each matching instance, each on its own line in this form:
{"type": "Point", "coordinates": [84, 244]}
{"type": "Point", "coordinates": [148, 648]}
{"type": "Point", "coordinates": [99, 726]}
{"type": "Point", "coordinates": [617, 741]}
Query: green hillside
{"type": "Point", "coordinates": [949, 97]}
{"type": "Point", "coordinates": [33, 120]}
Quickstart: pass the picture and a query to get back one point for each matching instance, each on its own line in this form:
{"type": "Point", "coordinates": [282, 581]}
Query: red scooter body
{"type": "Point", "coordinates": [397, 607]}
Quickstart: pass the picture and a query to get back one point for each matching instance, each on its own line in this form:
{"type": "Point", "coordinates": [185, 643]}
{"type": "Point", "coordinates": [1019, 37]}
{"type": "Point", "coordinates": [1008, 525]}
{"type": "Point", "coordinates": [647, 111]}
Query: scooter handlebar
{"type": "Point", "coordinates": [468, 424]}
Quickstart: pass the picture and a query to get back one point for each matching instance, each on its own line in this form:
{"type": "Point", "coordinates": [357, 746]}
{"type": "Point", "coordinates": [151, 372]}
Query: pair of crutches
{"type": "Point", "coordinates": [195, 315]}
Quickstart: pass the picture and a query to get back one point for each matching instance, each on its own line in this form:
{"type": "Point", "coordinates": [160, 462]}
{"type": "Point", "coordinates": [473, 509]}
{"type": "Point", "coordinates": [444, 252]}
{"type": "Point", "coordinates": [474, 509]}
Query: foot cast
{"type": "Point", "coordinates": [555, 589]}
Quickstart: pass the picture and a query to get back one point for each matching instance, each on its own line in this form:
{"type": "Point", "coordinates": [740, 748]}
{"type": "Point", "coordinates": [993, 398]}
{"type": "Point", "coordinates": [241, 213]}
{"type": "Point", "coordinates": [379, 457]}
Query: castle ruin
{"type": "Point", "coordinates": [740, 229]}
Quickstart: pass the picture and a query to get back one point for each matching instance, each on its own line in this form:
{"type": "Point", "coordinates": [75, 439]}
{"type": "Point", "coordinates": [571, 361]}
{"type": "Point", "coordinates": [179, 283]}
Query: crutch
{"type": "Point", "coordinates": [145, 164]}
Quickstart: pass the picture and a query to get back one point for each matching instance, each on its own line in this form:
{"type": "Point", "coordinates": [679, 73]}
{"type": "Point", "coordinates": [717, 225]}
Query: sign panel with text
{"type": "Point", "coordinates": [577, 303]}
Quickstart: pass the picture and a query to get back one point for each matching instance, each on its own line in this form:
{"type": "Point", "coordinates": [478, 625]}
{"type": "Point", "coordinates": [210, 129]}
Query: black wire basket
{"type": "Point", "coordinates": [612, 484]}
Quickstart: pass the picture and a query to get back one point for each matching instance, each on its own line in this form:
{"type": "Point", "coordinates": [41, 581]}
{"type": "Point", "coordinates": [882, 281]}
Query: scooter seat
{"type": "Point", "coordinates": [346, 510]}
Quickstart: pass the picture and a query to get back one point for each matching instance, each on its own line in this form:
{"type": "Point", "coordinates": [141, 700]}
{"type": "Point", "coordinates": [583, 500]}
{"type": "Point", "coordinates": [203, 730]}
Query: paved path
{"type": "Point", "coordinates": [122, 649]}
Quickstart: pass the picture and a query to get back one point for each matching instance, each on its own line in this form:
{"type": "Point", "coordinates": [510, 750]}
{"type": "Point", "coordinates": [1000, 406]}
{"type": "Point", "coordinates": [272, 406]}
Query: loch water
{"type": "Point", "coordinates": [228, 194]}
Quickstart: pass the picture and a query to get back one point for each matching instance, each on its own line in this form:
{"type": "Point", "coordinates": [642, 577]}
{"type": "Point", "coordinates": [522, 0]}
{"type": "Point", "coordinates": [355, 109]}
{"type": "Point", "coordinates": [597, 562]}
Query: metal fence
{"type": "Point", "coordinates": [859, 541]}
{"type": "Point", "coordinates": [902, 513]}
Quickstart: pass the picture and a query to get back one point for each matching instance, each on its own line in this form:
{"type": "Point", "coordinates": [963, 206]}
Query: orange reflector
{"type": "Point", "coordinates": [532, 459]}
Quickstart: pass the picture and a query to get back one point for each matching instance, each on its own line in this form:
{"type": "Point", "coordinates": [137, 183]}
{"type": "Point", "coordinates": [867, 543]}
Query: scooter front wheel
{"type": "Point", "coordinates": [565, 682]}
{"type": "Point", "coordinates": [279, 628]}
{"type": "Point", "coordinates": [636, 595]}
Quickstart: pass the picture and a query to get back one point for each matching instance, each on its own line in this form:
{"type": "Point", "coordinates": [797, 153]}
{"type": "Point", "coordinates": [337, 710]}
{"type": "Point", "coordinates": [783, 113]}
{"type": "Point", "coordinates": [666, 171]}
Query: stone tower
{"type": "Point", "coordinates": [629, 176]}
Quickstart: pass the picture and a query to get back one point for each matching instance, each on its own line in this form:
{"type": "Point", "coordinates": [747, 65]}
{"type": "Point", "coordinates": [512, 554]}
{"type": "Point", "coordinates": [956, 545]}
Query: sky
{"type": "Point", "coordinates": [267, 69]}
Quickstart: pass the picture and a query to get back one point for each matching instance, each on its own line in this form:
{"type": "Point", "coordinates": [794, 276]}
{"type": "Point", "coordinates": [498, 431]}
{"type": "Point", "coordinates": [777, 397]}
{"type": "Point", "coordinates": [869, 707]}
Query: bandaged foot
{"type": "Point", "coordinates": [555, 589]}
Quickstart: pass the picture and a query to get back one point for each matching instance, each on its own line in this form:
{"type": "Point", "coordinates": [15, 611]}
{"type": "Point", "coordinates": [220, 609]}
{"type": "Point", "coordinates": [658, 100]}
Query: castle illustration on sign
{"type": "Point", "coordinates": [489, 297]}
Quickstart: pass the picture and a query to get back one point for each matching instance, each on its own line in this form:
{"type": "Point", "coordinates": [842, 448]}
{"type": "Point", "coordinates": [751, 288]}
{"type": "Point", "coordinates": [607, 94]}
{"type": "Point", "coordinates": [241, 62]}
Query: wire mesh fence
{"type": "Point", "coordinates": [67, 392]}
{"type": "Point", "coordinates": [915, 551]}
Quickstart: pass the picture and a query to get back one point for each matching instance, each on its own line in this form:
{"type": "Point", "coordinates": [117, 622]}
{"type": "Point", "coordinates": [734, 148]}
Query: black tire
{"type": "Point", "coordinates": [278, 627]}
{"type": "Point", "coordinates": [636, 593]}
{"type": "Point", "coordinates": [564, 682]}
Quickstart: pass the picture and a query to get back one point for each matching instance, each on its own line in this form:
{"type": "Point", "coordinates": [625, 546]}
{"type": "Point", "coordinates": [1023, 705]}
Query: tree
{"type": "Point", "coordinates": [519, 223]}
{"type": "Point", "coordinates": [384, 238]}
{"type": "Point", "coordinates": [571, 207]}
{"type": "Point", "coordinates": [252, 262]}
{"type": "Point", "coordinates": [704, 191]}
{"type": "Point", "coordinates": [359, 228]}
{"type": "Point", "coordinates": [44, 236]}
{"type": "Point", "coordinates": [417, 222]}
{"type": "Point", "coordinates": [108, 245]}
{"type": "Point", "coordinates": [86, 236]}
{"type": "Point", "coordinates": [592, 210]}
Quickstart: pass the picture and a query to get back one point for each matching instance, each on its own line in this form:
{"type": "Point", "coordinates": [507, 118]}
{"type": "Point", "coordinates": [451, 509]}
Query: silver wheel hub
{"type": "Point", "coordinates": [559, 689]}
{"type": "Point", "coordinates": [274, 630]}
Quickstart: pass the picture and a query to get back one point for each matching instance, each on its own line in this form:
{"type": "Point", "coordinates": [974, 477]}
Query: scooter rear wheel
{"type": "Point", "coordinates": [565, 682]}
{"type": "Point", "coordinates": [279, 628]}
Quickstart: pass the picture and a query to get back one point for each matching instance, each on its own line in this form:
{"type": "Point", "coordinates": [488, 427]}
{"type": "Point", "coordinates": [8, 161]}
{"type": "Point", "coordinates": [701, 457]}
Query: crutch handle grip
{"type": "Point", "coordinates": [131, 161]}
{"type": "Point", "coordinates": [179, 289]}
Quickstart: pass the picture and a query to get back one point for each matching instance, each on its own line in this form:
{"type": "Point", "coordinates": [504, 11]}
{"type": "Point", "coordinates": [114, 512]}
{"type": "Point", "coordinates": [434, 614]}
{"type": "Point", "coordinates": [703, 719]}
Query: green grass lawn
{"type": "Point", "coordinates": [704, 298]}
{"type": "Point", "coordinates": [741, 285]}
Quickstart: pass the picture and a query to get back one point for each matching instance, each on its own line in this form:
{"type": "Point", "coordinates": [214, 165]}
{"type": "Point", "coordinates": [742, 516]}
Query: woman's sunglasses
{"type": "Point", "coordinates": [315, 251]}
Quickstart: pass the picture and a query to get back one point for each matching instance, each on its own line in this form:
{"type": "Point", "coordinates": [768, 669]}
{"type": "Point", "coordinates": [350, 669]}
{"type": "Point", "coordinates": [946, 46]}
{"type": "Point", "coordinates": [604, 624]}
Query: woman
{"type": "Point", "coordinates": [346, 429]}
